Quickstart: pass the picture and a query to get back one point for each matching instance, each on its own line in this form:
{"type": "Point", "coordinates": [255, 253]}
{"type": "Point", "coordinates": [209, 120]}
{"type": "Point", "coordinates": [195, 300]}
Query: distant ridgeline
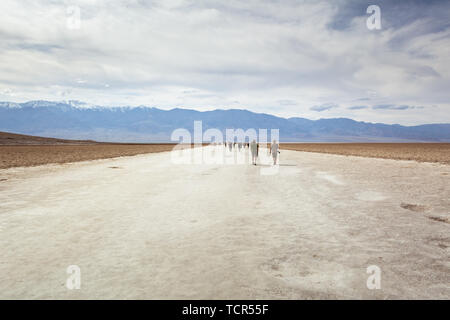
{"type": "Point", "coordinates": [75, 120]}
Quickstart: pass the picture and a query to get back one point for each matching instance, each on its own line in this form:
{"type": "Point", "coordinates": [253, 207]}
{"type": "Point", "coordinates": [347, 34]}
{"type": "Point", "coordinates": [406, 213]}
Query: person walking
{"type": "Point", "coordinates": [254, 151]}
{"type": "Point", "coordinates": [274, 151]}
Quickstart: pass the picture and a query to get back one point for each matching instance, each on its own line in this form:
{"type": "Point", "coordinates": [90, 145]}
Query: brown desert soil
{"type": "Point", "coordinates": [18, 150]}
{"type": "Point", "coordinates": [34, 155]}
{"type": "Point", "coordinates": [421, 152]}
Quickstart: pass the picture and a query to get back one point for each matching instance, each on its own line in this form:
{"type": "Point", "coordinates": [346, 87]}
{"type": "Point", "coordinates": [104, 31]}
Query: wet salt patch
{"type": "Point", "coordinates": [413, 207]}
{"type": "Point", "coordinates": [329, 178]}
{"type": "Point", "coordinates": [370, 196]}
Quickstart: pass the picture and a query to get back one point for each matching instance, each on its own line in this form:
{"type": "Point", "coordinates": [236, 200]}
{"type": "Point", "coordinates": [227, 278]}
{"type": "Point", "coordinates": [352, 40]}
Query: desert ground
{"type": "Point", "coordinates": [422, 152]}
{"type": "Point", "coordinates": [18, 150]}
{"type": "Point", "coordinates": [32, 152]}
{"type": "Point", "coordinates": [145, 227]}
{"type": "Point", "coordinates": [34, 155]}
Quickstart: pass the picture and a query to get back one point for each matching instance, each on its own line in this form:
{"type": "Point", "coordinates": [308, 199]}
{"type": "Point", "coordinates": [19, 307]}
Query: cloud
{"type": "Point", "coordinates": [7, 92]}
{"type": "Point", "coordinates": [324, 107]}
{"type": "Point", "coordinates": [287, 102]}
{"type": "Point", "coordinates": [395, 107]}
{"type": "Point", "coordinates": [260, 53]}
{"type": "Point", "coordinates": [357, 107]}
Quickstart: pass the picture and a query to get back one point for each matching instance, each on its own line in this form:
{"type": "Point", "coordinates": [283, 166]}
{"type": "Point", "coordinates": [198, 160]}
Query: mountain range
{"type": "Point", "coordinates": [77, 120]}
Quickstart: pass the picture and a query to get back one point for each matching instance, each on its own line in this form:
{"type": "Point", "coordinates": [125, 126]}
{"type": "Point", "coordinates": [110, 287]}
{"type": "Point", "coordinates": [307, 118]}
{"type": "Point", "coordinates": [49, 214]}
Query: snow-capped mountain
{"type": "Point", "coordinates": [78, 120]}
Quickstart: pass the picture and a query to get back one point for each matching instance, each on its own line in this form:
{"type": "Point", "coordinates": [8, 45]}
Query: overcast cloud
{"type": "Point", "coordinates": [308, 59]}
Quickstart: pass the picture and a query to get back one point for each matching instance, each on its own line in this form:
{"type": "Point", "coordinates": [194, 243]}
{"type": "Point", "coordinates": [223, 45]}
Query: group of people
{"type": "Point", "coordinates": [273, 149]}
{"type": "Point", "coordinates": [238, 145]}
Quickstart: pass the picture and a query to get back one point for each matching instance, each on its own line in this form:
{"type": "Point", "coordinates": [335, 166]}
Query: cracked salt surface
{"type": "Point", "coordinates": [161, 231]}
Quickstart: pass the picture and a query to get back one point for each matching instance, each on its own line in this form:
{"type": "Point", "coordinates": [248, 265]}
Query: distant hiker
{"type": "Point", "coordinates": [254, 151]}
{"type": "Point", "coordinates": [230, 146]}
{"type": "Point", "coordinates": [274, 151]}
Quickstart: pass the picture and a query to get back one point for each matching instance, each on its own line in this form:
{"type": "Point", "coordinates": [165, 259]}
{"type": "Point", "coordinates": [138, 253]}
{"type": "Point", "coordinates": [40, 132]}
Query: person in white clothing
{"type": "Point", "coordinates": [274, 151]}
{"type": "Point", "coordinates": [254, 151]}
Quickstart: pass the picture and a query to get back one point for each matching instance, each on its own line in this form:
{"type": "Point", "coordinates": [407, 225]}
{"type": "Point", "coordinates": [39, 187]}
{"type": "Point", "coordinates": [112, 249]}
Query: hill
{"type": "Point", "coordinates": [73, 120]}
{"type": "Point", "coordinates": [7, 138]}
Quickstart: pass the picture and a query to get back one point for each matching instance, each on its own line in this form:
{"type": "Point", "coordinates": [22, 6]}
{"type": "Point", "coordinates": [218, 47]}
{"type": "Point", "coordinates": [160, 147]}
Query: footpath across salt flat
{"type": "Point", "coordinates": [143, 227]}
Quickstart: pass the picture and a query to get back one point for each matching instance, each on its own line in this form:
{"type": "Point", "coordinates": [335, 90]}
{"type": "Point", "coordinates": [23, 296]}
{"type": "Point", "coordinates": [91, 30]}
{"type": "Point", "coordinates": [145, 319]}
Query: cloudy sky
{"type": "Point", "coordinates": [308, 59]}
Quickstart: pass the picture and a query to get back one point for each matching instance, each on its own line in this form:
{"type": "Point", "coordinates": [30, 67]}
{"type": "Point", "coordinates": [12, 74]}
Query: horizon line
{"type": "Point", "coordinates": [93, 106]}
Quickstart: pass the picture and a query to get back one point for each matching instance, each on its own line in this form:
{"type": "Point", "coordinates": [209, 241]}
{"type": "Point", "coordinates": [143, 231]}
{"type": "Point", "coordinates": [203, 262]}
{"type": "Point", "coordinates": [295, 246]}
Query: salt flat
{"type": "Point", "coordinates": [144, 228]}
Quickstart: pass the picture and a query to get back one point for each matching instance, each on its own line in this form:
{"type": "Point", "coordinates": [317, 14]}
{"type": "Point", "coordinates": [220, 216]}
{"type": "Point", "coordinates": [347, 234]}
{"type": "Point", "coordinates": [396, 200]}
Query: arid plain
{"type": "Point", "coordinates": [143, 227]}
